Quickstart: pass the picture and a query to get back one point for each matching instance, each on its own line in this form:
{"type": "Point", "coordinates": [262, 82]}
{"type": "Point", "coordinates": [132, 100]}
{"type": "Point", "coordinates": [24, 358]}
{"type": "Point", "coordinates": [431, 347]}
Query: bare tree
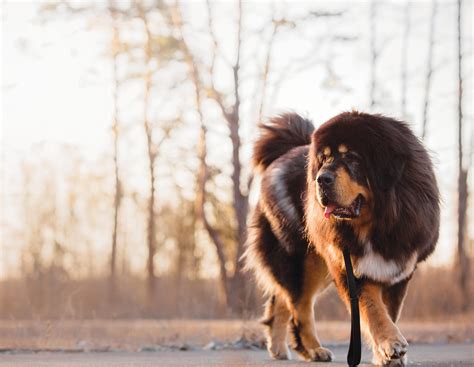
{"type": "Point", "coordinates": [231, 115]}
{"type": "Point", "coordinates": [203, 173]}
{"type": "Point", "coordinates": [152, 146]}
{"type": "Point", "coordinates": [115, 132]}
{"type": "Point", "coordinates": [374, 54]}
{"type": "Point", "coordinates": [429, 68]}
{"type": "Point", "coordinates": [404, 59]}
{"type": "Point", "coordinates": [151, 153]}
{"type": "Point", "coordinates": [462, 258]}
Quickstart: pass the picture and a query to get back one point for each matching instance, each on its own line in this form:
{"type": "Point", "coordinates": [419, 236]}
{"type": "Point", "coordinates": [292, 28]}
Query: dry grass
{"type": "Point", "coordinates": [433, 294]}
{"type": "Point", "coordinates": [133, 335]}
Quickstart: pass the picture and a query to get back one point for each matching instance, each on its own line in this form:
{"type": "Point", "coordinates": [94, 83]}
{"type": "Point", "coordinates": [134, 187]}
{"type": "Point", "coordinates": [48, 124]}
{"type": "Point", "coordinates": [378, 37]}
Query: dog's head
{"type": "Point", "coordinates": [341, 179]}
{"type": "Point", "coordinates": [355, 162]}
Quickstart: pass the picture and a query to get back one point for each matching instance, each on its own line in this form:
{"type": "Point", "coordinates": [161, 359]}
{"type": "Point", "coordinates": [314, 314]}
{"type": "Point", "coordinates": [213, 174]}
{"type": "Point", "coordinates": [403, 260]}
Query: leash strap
{"type": "Point", "coordinates": [354, 353]}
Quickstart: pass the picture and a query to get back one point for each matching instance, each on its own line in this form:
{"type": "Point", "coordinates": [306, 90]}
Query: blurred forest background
{"type": "Point", "coordinates": [127, 128]}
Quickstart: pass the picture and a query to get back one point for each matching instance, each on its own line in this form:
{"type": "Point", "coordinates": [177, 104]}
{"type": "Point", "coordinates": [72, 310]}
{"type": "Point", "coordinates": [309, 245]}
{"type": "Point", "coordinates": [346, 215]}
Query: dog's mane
{"type": "Point", "coordinates": [400, 175]}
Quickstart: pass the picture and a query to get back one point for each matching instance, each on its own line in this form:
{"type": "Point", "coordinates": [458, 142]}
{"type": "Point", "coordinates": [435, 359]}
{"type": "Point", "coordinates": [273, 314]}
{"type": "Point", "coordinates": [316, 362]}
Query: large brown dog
{"type": "Point", "coordinates": [362, 182]}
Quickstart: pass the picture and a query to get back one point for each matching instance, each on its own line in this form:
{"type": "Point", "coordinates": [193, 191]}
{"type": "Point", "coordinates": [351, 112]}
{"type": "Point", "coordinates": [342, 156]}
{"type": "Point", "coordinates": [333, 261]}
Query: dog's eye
{"type": "Point", "coordinates": [351, 157]}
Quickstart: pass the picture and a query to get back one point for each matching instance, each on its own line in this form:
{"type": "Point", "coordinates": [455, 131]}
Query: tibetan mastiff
{"type": "Point", "coordinates": [362, 182]}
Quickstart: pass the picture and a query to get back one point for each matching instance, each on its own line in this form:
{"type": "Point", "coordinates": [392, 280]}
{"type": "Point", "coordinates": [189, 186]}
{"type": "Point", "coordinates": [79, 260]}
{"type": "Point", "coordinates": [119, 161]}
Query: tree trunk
{"type": "Point", "coordinates": [151, 152]}
{"type": "Point", "coordinates": [462, 258]}
{"type": "Point", "coordinates": [240, 200]}
{"type": "Point", "coordinates": [115, 131]}
{"type": "Point", "coordinates": [373, 55]}
{"type": "Point", "coordinates": [213, 234]}
{"type": "Point", "coordinates": [240, 204]}
{"type": "Point", "coordinates": [404, 62]}
{"type": "Point", "coordinates": [151, 230]}
{"type": "Point", "coordinates": [429, 69]}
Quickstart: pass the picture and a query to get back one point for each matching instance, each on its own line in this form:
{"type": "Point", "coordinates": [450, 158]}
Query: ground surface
{"type": "Point", "coordinates": [136, 335]}
{"type": "Point", "coordinates": [228, 343]}
{"type": "Point", "coordinates": [427, 355]}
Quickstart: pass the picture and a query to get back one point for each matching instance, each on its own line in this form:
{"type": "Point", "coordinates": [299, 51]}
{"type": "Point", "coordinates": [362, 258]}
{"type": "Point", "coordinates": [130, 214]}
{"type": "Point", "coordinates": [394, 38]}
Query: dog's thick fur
{"type": "Point", "coordinates": [359, 181]}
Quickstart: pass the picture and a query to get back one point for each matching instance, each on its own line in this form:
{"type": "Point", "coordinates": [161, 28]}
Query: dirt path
{"type": "Point", "coordinates": [425, 355]}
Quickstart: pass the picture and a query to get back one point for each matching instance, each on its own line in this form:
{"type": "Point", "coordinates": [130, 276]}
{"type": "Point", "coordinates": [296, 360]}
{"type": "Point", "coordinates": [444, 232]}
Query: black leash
{"type": "Point", "coordinates": [354, 353]}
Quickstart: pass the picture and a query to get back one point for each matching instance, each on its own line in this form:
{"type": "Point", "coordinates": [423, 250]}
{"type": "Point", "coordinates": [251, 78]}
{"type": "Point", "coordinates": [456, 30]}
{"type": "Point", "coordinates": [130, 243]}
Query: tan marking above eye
{"type": "Point", "coordinates": [327, 151]}
{"type": "Point", "coordinates": [342, 148]}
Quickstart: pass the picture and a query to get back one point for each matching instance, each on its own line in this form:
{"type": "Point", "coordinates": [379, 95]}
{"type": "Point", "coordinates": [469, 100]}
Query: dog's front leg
{"type": "Point", "coordinates": [388, 344]}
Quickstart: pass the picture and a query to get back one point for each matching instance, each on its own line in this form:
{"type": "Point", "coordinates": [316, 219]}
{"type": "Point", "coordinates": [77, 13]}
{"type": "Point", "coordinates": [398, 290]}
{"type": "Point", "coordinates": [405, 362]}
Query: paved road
{"type": "Point", "coordinates": [429, 355]}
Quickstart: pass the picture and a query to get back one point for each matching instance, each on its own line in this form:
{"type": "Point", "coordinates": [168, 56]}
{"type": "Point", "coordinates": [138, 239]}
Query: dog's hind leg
{"type": "Point", "coordinates": [393, 296]}
{"type": "Point", "coordinates": [304, 338]}
{"type": "Point", "coordinates": [276, 319]}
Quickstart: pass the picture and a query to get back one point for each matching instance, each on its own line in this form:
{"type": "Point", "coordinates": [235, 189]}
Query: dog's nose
{"type": "Point", "coordinates": [326, 179]}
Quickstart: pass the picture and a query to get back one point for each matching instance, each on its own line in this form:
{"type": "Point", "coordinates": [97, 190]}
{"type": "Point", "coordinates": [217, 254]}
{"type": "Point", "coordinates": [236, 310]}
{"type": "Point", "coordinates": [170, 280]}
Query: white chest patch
{"type": "Point", "coordinates": [374, 266]}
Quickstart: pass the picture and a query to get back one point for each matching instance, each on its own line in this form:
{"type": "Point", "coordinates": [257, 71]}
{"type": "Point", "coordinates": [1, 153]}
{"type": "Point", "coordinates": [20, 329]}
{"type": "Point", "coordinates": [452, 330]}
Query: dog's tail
{"type": "Point", "coordinates": [278, 136]}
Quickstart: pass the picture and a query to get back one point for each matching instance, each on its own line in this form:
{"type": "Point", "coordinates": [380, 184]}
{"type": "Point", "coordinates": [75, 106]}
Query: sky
{"type": "Point", "coordinates": [56, 85]}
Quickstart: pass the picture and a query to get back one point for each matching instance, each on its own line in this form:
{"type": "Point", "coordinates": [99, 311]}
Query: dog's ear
{"type": "Point", "coordinates": [313, 165]}
{"type": "Point", "coordinates": [386, 169]}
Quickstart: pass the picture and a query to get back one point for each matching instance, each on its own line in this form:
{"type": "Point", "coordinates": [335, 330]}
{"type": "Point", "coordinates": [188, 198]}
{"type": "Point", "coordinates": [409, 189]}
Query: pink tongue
{"type": "Point", "coordinates": [328, 210]}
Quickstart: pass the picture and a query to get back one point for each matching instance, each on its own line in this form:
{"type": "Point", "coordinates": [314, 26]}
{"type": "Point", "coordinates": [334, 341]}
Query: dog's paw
{"type": "Point", "coordinates": [320, 355]}
{"type": "Point", "coordinates": [391, 352]}
{"type": "Point", "coordinates": [279, 351]}
{"type": "Point", "coordinates": [397, 362]}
